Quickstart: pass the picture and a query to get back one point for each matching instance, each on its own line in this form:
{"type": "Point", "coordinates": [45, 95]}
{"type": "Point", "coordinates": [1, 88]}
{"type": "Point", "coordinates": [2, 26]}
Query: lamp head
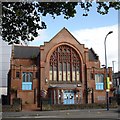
{"type": "Point", "coordinates": [104, 66]}
{"type": "Point", "coordinates": [110, 32]}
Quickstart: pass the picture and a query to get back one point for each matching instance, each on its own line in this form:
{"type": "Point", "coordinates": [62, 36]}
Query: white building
{"type": "Point", "coordinates": [5, 52]}
{"type": "Point", "coordinates": [5, 55]}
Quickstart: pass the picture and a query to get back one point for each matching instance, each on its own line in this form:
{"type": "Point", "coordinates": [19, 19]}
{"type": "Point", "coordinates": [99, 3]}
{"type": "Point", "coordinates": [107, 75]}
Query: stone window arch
{"type": "Point", "coordinates": [65, 65]}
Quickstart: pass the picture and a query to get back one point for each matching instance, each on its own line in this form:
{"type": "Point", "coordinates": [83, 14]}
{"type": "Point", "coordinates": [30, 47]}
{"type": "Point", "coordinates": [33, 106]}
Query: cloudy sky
{"type": "Point", "coordinates": [90, 30]}
{"type": "Point", "coordinates": [95, 38]}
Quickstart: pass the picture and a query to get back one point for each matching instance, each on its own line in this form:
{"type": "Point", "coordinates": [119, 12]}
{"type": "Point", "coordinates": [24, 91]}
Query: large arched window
{"type": "Point", "coordinates": [65, 65]}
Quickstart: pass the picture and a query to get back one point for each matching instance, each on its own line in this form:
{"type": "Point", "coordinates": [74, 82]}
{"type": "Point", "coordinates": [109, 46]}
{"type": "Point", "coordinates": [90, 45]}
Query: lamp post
{"type": "Point", "coordinates": [107, 97]}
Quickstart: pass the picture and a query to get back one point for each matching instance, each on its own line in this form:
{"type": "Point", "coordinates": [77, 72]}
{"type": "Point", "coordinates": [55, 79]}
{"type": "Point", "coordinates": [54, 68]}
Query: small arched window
{"type": "Point", "coordinates": [27, 81]}
{"type": "Point", "coordinates": [99, 81]}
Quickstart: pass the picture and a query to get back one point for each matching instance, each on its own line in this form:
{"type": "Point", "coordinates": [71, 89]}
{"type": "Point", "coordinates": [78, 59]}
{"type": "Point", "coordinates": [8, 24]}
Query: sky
{"type": "Point", "coordinates": [90, 30]}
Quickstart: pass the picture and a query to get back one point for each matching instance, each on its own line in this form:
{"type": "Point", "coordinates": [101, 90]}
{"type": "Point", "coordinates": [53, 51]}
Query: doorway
{"type": "Point", "coordinates": [68, 97]}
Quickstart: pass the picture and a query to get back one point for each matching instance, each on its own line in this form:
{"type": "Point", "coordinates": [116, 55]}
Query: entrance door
{"type": "Point", "coordinates": [68, 97]}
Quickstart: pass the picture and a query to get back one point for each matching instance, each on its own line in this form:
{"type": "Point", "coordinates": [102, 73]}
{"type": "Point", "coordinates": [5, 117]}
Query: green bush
{"type": "Point", "coordinates": [76, 106]}
{"type": "Point", "coordinates": [17, 101]}
{"type": "Point", "coordinates": [11, 108]}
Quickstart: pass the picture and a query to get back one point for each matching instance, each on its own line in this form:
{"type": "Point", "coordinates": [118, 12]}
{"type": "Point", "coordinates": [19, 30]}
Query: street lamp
{"type": "Point", "coordinates": [107, 97]}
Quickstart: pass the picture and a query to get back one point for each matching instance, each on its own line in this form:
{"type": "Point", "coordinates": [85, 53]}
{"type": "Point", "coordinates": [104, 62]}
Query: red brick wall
{"type": "Point", "coordinates": [23, 65]}
{"type": "Point", "coordinates": [26, 96]}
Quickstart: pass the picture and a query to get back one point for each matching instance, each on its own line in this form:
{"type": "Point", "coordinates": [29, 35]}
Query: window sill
{"type": "Point", "coordinates": [27, 90]}
{"type": "Point", "coordinates": [65, 82]}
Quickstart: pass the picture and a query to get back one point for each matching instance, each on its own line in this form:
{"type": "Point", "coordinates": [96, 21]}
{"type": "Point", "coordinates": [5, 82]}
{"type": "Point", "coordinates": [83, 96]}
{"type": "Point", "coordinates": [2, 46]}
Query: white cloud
{"type": "Point", "coordinates": [95, 38]}
{"type": "Point", "coordinates": [40, 39]}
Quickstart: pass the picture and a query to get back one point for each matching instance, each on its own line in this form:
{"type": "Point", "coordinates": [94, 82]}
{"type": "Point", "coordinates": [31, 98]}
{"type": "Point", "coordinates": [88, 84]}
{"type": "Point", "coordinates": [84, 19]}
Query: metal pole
{"type": "Point", "coordinates": [107, 95]}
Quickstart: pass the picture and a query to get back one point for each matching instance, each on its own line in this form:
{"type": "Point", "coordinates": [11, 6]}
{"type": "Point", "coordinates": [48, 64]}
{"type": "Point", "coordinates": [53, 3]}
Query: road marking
{"type": "Point", "coordinates": [38, 117]}
{"type": "Point", "coordinates": [98, 112]}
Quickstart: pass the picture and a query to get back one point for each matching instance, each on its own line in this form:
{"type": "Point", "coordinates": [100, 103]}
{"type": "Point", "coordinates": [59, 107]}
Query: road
{"type": "Point", "coordinates": [98, 114]}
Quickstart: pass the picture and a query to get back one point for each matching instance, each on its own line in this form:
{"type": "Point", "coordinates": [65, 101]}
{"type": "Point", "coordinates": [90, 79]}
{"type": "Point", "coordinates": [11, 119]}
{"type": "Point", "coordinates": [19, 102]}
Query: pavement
{"type": "Point", "coordinates": [113, 114]}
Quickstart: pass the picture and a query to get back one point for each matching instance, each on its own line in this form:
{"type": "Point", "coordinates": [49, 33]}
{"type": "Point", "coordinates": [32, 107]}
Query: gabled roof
{"type": "Point", "coordinates": [25, 52]}
{"type": "Point", "coordinates": [92, 55]}
{"type": "Point", "coordinates": [67, 31]}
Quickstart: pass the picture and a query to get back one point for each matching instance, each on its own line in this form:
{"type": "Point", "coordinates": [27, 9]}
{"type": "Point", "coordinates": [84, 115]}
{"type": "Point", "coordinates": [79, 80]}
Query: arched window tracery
{"type": "Point", "coordinates": [65, 65]}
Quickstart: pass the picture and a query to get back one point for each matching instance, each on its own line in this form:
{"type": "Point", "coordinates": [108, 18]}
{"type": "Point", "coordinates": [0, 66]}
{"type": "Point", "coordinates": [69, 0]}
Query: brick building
{"type": "Point", "coordinates": [116, 82]}
{"type": "Point", "coordinates": [62, 71]}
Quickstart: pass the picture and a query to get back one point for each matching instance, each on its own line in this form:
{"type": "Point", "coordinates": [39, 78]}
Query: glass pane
{"type": "Point", "coordinates": [29, 77]}
{"type": "Point", "coordinates": [60, 71]}
{"type": "Point", "coordinates": [24, 77]}
{"type": "Point", "coordinates": [68, 75]}
{"type": "Point", "coordinates": [99, 86]}
{"type": "Point", "coordinates": [55, 73]}
{"type": "Point", "coordinates": [60, 66]}
{"type": "Point", "coordinates": [68, 67]}
{"type": "Point", "coordinates": [50, 73]}
{"type": "Point", "coordinates": [64, 75]}
{"type": "Point", "coordinates": [73, 74]}
{"type": "Point", "coordinates": [50, 68]}
{"type": "Point", "coordinates": [60, 75]}
{"type": "Point", "coordinates": [64, 66]}
{"type": "Point", "coordinates": [64, 71]}
{"type": "Point", "coordinates": [96, 78]}
{"type": "Point", "coordinates": [17, 74]}
{"type": "Point", "coordinates": [101, 78]}
{"type": "Point", "coordinates": [78, 76]}
{"type": "Point", "coordinates": [68, 71]}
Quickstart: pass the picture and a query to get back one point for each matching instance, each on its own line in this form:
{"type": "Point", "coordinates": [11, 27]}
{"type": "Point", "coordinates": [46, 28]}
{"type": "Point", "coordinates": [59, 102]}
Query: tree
{"type": "Point", "coordinates": [21, 20]}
